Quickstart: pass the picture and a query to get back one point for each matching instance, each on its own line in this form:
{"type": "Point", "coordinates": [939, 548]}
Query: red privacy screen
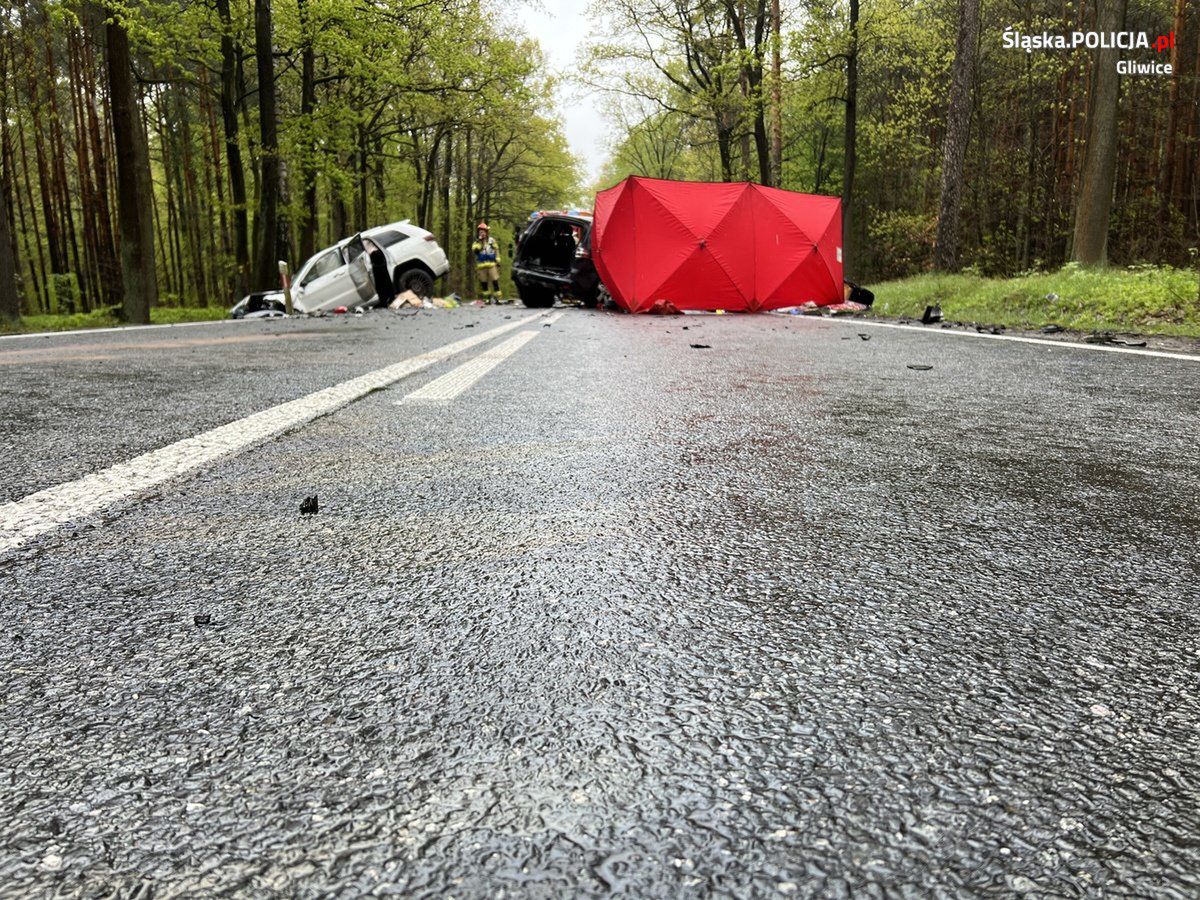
{"type": "Point", "coordinates": [706, 245]}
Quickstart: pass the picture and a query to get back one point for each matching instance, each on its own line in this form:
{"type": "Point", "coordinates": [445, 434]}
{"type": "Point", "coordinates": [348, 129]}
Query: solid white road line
{"type": "Point", "coordinates": [441, 391]}
{"type": "Point", "coordinates": [22, 520]}
{"type": "Point", "coordinates": [1062, 345]}
{"type": "Point", "coordinates": [118, 329]}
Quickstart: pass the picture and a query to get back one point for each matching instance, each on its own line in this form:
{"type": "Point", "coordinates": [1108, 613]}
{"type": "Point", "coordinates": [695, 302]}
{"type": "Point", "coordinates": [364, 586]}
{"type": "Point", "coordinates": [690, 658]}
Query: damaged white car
{"type": "Point", "coordinates": [341, 275]}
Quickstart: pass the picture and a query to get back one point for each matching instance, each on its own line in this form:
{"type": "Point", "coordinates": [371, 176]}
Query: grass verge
{"type": "Point", "coordinates": [104, 318]}
{"type": "Point", "coordinates": [1144, 299]}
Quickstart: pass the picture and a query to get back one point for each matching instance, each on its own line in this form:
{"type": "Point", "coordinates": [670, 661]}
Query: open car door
{"type": "Point", "coordinates": [358, 264]}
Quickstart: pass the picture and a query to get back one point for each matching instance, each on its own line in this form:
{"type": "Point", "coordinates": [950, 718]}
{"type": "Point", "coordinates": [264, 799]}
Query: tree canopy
{"type": "Point", "coordinates": [383, 110]}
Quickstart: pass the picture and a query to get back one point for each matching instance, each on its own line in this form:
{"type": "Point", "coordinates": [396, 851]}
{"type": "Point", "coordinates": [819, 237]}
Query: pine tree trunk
{"type": "Point", "coordinates": [954, 150]}
{"type": "Point", "coordinates": [106, 242]}
{"type": "Point", "coordinates": [134, 197]}
{"type": "Point", "coordinates": [447, 165]}
{"type": "Point", "coordinates": [10, 299]}
{"type": "Point", "coordinates": [1090, 244]}
{"type": "Point", "coordinates": [1167, 179]}
{"type": "Point", "coordinates": [850, 150]}
{"type": "Point", "coordinates": [267, 227]}
{"type": "Point", "coordinates": [308, 167]}
{"type": "Point", "coordinates": [776, 96]}
{"type": "Point", "coordinates": [233, 150]}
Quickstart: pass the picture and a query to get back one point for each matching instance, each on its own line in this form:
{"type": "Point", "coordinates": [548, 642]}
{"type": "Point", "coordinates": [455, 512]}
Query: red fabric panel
{"type": "Point", "coordinates": [664, 241]}
{"type": "Point", "coordinates": [716, 246]}
{"type": "Point", "coordinates": [732, 244]}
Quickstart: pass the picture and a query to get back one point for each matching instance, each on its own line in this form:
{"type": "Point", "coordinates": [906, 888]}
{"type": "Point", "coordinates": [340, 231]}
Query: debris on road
{"type": "Point", "coordinates": [1050, 329]}
{"type": "Point", "coordinates": [1100, 710]}
{"type": "Point", "coordinates": [1107, 337]}
{"type": "Point", "coordinates": [932, 314]}
{"type": "Point", "coordinates": [309, 506]}
{"type": "Point", "coordinates": [864, 336]}
{"type": "Point", "coordinates": [663, 308]}
{"type": "Point", "coordinates": [857, 294]}
{"type": "Point", "coordinates": [701, 346]}
{"type": "Point", "coordinates": [406, 298]}
{"type": "Point", "coordinates": [848, 308]}
{"type": "Point", "coordinates": [202, 619]}
{"type": "Point", "coordinates": [919, 367]}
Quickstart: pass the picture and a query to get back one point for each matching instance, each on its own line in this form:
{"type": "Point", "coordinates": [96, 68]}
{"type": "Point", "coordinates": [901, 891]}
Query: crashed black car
{"type": "Point", "coordinates": [554, 259]}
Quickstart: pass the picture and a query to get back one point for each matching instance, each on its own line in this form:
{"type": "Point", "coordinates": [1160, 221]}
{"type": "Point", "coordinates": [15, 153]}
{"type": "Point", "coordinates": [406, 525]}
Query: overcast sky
{"type": "Point", "coordinates": [561, 26]}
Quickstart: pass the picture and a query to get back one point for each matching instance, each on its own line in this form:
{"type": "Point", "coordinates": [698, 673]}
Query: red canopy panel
{"type": "Point", "coordinates": [701, 245]}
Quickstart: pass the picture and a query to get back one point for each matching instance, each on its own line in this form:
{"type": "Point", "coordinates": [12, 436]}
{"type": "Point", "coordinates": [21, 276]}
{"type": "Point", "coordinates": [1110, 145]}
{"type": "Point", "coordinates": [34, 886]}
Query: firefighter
{"type": "Point", "coordinates": [487, 263]}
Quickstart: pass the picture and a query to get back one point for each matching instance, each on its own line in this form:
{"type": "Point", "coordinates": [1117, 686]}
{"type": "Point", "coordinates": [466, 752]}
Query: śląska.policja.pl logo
{"type": "Point", "coordinates": [1014, 39]}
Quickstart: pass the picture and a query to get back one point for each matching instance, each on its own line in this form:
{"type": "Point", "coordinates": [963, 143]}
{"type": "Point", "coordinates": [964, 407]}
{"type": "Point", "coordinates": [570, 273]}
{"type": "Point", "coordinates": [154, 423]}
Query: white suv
{"type": "Point", "coordinates": [341, 275]}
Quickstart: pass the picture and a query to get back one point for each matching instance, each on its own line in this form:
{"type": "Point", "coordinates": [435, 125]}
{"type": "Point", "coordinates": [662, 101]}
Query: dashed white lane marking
{"type": "Point", "coordinates": [1062, 345]}
{"type": "Point", "coordinates": [22, 520]}
{"type": "Point", "coordinates": [441, 391]}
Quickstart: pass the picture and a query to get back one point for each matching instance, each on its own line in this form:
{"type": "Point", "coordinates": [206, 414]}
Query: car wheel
{"type": "Point", "coordinates": [416, 280]}
{"type": "Point", "coordinates": [535, 297]}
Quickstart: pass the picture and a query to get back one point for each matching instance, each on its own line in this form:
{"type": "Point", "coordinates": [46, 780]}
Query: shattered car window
{"type": "Point", "coordinates": [326, 263]}
{"type": "Point", "coordinates": [389, 237]}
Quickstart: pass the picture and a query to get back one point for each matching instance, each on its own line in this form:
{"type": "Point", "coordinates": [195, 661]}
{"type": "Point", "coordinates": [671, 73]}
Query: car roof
{"type": "Point", "coordinates": [563, 217]}
{"type": "Point", "coordinates": [391, 226]}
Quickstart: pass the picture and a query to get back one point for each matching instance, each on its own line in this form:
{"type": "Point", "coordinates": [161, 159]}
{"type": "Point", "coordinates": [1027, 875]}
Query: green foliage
{"type": "Point", "coordinates": [1027, 132]}
{"type": "Point", "coordinates": [435, 112]}
{"type": "Point", "coordinates": [1148, 299]}
{"type": "Point", "coordinates": [108, 318]}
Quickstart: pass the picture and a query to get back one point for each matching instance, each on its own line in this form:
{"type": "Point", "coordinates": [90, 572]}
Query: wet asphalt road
{"type": "Point", "coordinates": [781, 616]}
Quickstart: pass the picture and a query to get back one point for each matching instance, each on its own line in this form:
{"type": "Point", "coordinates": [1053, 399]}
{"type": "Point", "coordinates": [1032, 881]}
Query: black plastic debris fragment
{"type": "Point", "coordinates": [919, 367]}
{"type": "Point", "coordinates": [1107, 337]}
{"type": "Point", "coordinates": [1050, 329]}
{"type": "Point", "coordinates": [202, 619]}
{"type": "Point", "coordinates": [55, 825]}
{"type": "Point", "coordinates": [932, 314]}
{"type": "Point", "coordinates": [989, 329]}
{"type": "Point", "coordinates": [859, 294]}
{"type": "Point", "coordinates": [864, 336]}
{"type": "Point", "coordinates": [700, 346]}
{"type": "Point", "coordinates": [309, 506]}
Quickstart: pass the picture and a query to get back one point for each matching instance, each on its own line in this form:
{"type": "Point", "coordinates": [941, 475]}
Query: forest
{"type": "Point", "coordinates": [167, 153]}
{"type": "Point", "coordinates": [170, 152]}
{"type": "Point", "coordinates": [950, 150]}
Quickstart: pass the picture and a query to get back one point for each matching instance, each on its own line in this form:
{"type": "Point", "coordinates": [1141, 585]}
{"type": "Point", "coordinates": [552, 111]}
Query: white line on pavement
{"type": "Point", "coordinates": [118, 329]}
{"type": "Point", "coordinates": [1062, 345]}
{"type": "Point", "coordinates": [441, 391]}
{"type": "Point", "coordinates": [22, 520]}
